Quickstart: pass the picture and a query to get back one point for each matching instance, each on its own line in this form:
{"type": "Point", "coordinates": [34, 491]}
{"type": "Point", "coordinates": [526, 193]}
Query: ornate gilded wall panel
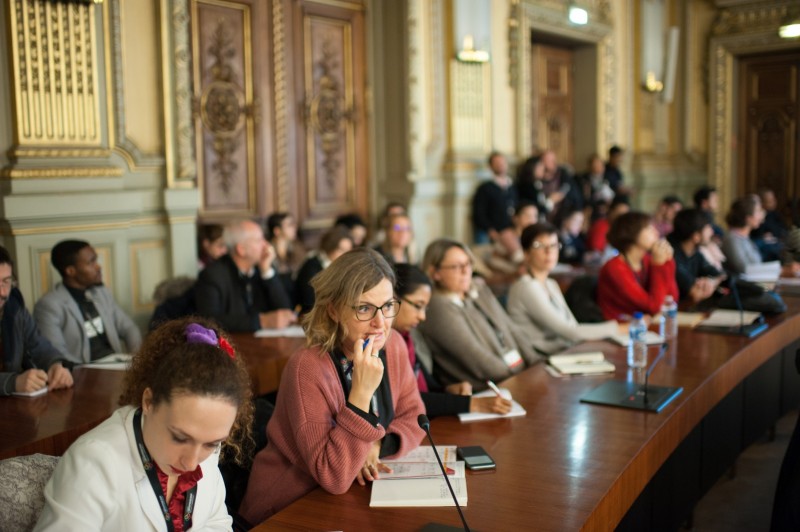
{"type": "Point", "coordinates": [334, 133]}
{"type": "Point", "coordinates": [225, 106]}
{"type": "Point", "coordinates": [54, 68]}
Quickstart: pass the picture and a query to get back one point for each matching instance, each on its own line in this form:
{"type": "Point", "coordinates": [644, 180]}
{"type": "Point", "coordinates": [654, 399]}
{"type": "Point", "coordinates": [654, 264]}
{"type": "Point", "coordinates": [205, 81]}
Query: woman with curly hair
{"type": "Point", "coordinates": [347, 400]}
{"type": "Point", "coordinates": [153, 464]}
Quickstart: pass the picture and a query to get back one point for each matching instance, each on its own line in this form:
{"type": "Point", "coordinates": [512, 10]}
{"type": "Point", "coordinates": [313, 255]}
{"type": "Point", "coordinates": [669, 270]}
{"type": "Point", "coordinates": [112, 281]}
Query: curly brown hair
{"type": "Point", "coordinates": [161, 365]}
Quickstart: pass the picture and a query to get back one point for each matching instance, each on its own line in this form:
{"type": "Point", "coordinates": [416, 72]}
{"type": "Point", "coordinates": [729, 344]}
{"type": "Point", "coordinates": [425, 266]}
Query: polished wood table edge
{"type": "Point", "coordinates": [684, 417]}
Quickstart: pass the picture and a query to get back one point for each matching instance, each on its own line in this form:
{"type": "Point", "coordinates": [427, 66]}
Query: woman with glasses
{"type": "Point", "coordinates": [396, 246]}
{"type": "Point", "coordinates": [642, 275]}
{"type": "Point", "coordinates": [347, 400]}
{"type": "Point", "coordinates": [471, 336]}
{"type": "Point", "coordinates": [413, 288]}
{"type": "Point", "coordinates": [535, 300]}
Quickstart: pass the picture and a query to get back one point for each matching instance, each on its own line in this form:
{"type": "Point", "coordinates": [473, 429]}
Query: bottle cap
{"type": "Point", "coordinates": [638, 315]}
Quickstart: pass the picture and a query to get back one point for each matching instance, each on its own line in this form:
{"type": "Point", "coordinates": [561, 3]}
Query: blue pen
{"type": "Point", "coordinates": [365, 344]}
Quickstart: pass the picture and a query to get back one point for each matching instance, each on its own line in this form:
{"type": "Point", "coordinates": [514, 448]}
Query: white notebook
{"type": "Point", "coordinates": [404, 470]}
{"type": "Point", "coordinates": [651, 339]}
{"type": "Point", "coordinates": [516, 408]}
{"type": "Point", "coordinates": [292, 331]}
{"type": "Point", "coordinates": [581, 363]}
{"type": "Point", "coordinates": [417, 492]}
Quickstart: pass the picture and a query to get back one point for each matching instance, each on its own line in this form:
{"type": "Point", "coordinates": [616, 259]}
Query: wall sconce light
{"type": "Point", "coordinates": [468, 53]}
{"type": "Point", "coordinates": [790, 29]}
{"type": "Point", "coordinates": [578, 15]}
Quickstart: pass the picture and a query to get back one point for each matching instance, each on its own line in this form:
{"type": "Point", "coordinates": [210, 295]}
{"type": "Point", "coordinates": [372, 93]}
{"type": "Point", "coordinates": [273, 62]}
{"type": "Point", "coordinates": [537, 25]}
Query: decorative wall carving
{"type": "Point", "coordinates": [54, 57]}
{"type": "Point", "coordinates": [281, 102]}
{"type": "Point", "coordinates": [184, 165]}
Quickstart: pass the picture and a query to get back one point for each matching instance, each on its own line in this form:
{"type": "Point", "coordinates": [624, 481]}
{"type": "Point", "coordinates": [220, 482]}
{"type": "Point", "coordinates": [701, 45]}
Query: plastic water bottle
{"type": "Point", "coordinates": [669, 319]}
{"type": "Point", "coordinates": [637, 347]}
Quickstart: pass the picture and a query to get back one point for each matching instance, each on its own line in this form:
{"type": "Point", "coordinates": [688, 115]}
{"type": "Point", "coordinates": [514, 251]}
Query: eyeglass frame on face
{"type": "Point", "coordinates": [463, 267]}
{"type": "Point", "coordinates": [375, 308]}
{"type": "Point", "coordinates": [8, 283]}
{"type": "Point", "coordinates": [420, 308]}
{"type": "Point", "coordinates": [547, 247]}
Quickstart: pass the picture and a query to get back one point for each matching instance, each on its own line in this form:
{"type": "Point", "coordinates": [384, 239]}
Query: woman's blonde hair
{"type": "Point", "coordinates": [337, 290]}
{"type": "Point", "coordinates": [435, 252]}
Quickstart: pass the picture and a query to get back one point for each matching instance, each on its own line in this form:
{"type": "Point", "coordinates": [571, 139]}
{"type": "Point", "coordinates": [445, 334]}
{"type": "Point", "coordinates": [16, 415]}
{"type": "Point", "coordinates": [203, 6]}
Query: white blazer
{"type": "Point", "coordinates": [100, 484]}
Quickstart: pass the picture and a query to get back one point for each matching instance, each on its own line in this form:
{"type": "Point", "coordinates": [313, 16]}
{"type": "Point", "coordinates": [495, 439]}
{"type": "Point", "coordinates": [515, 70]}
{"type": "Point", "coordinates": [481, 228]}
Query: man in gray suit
{"type": "Point", "coordinates": [79, 316]}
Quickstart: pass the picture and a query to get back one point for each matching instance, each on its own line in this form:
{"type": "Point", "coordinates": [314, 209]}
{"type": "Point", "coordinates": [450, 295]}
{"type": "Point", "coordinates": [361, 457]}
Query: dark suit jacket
{"type": "Point", "coordinates": [221, 293]}
{"type": "Point", "coordinates": [303, 289]}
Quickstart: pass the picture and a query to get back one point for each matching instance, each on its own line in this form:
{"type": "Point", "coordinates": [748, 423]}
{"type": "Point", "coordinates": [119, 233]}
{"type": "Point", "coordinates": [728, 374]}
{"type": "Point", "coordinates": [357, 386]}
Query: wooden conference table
{"type": "Point", "coordinates": [574, 466]}
{"type": "Point", "coordinates": [49, 423]}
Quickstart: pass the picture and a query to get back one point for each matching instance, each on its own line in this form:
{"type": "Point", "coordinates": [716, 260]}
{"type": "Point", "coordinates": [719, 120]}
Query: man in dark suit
{"type": "Point", "coordinates": [240, 290]}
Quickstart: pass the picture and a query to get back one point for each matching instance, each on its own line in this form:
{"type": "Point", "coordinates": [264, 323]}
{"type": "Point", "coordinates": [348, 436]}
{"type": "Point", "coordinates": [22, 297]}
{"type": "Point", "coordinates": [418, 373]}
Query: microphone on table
{"type": "Point", "coordinates": [425, 425]}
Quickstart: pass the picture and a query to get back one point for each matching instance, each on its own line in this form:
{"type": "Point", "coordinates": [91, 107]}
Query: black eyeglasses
{"type": "Point", "coordinates": [367, 311]}
{"type": "Point", "coordinates": [420, 308]}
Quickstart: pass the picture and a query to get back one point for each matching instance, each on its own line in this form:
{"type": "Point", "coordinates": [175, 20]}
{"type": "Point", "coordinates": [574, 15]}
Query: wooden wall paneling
{"type": "Point", "coordinates": [331, 133]}
{"type": "Point", "coordinates": [232, 98]}
{"type": "Point", "coordinates": [768, 125]}
{"type": "Point", "coordinates": [552, 95]}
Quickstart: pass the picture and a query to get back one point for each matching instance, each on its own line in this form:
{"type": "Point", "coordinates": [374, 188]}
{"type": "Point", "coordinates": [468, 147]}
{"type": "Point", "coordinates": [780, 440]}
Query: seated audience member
{"type": "Point", "coordinates": [570, 234]}
{"type": "Point", "coordinates": [769, 236]}
{"type": "Point", "coordinates": [240, 290]}
{"type": "Point", "coordinates": [596, 237]}
{"type": "Point", "coordinates": [391, 209]}
{"type": "Point", "coordinates": [471, 336]}
{"type": "Point", "coordinates": [642, 275]}
{"type": "Point", "coordinates": [186, 400]}
{"type": "Point", "coordinates": [356, 226]}
{"type": "Point", "coordinates": [745, 215]}
{"type": "Point", "coordinates": [668, 207]}
{"type": "Point", "coordinates": [535, 301]}
{"type": "Point", "coordinates": [499, 259]}
{"type": "Point", "coordinates": [526, 213]}
{"type": "Point", "coordinates": [706, 199]}
{"type": "Point", "coordinates": [210, 244]}
{"type": "Point", "coordinates": [346, 401]}
{"type": "Point", "coordinates": [493, 202]}
{"type": "Point", "coordinates": [396, 247]}
{"type": "Point", "coordinates": [697, 279]}
{"type": "Point", "coordinates": [613, 171]}
{"type": "Point", "coordinates": [413, 289]}
{"type": "Point", "coordinates": [289, 252]}
{"type": "Point", "coordinates": [593, 183]}
{"type": "Point", "coordinates": [549, 184]}
{"type": "Point", "coordinates": [335, 243]}
{"type": "Point", "coordinates": [22, 344]}
{"type": "Point", "coordinates": [79, 316]}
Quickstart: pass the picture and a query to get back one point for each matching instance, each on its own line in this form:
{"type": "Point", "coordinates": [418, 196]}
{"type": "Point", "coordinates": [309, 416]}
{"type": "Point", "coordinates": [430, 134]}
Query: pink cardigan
{"type": "Point", "coordinates": [314, 439]}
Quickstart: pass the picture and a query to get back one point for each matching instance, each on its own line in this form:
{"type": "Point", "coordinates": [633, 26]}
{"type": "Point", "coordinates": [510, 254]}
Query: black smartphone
{"type": "Point", "coordinates": [475, 458]}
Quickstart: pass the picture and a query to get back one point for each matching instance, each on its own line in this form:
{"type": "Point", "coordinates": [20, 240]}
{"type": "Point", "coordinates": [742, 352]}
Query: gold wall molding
{"type": "Point", "coordinates": [53, 64]}
{"type": "Point", "coordinates": [60, 172]}
{"type": "Point", "coordinates": [550, 16]}
{"type": "Point", "coordinates": [15, 154]}
{"type": "Point", "coordinates": [738, 31]}
{"type": "Point", "coordinates": [281, 101]}
{"type": "Point", "coordinates": [76, 228]}
{"type": "Point", "coordinates": [437, 87]}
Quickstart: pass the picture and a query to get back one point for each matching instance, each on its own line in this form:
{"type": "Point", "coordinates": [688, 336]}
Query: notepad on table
{"type": "Point", "coordinates": [424, 454]}
{"type": "Point", "coordinates": [516, 408]}
{"type": "Point", "coordinates": [764, 272]}
{"type": "Point", "coordinates": [581, 363]}
{"type": "Point", "coordinates": [292, 331]}
{"type": "Point", "coordinates": [406, 470]}
{"type": "Point", "coordinates": [651, 339]}
{"type": "Point", "coordinates": [417, 492]}
{"type": "Point", "coordinates": [40, 391]}
{"type": "Point", "coordinates": [730, 318]}
{"type": "Point", "coordinates": [114, 361]}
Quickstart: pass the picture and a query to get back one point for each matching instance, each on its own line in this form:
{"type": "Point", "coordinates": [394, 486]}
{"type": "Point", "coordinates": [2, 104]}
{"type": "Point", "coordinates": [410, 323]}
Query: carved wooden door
{"type": "Point", "coordinates": [232, 75]}
{"type": "Point", "coordinates": [551, 99]}
{"type": "Point", "coordinates": [768, 125]}
{"type": "Point", "coordinates": [329, 57]}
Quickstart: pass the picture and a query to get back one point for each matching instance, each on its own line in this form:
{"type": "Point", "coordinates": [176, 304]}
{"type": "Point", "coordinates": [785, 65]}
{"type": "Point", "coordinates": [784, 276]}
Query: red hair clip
{"type": "Point", "coordinates": [225, 346]}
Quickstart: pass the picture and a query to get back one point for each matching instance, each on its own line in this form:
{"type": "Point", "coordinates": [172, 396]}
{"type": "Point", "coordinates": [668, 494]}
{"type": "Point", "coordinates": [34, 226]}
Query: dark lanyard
{"type": "Point", "coordinates": [152, 476]}
{"type": "Point", "coordinates": [501, 337]}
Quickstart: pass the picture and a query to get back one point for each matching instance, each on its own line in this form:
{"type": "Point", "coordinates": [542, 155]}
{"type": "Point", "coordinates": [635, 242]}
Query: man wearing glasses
{"type": "Point", "coordinates": [29, 362]}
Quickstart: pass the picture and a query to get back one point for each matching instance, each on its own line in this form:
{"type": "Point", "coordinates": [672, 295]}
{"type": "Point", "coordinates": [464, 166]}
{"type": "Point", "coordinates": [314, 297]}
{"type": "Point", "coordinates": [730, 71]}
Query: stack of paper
{"type": "Point", "coordinates": [516, 408]}
{"type": "Point", "coordinates": [417, 480]}
{"type": "Point", "coordinates": [581, 363]}
{"type": "Point", "coordinates": [116, 361]}
{"type": "Point", "coordinates": [651, 339]}
{"type": "Point", "coordinates": [766, 272]}
{"type": "Point", "coordinates": [292, 331]}
{"type": "Point", "coordinates": [730, 318]}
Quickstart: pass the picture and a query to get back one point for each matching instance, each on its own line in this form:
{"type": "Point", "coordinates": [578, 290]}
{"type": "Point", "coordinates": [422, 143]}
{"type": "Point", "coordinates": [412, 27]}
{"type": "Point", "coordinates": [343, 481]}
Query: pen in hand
{"type": "Point", "coordinates": [494, 388]}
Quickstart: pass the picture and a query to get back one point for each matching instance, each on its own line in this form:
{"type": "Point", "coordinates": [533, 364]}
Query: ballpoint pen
{"type": "Point", "coordinates": [494, 388]}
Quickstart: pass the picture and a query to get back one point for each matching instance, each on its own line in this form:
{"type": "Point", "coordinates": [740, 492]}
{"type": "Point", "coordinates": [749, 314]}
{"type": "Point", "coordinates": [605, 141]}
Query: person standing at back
{"type": "Point", "coordinates": [79, 316]}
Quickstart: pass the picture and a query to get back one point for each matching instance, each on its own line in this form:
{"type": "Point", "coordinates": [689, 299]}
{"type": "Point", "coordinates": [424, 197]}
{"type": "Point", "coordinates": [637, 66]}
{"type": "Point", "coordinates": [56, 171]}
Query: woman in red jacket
{"type": "Point", "coordinates": [347, 400]}
{"type": "Point", "coordinates": [642, 275]}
